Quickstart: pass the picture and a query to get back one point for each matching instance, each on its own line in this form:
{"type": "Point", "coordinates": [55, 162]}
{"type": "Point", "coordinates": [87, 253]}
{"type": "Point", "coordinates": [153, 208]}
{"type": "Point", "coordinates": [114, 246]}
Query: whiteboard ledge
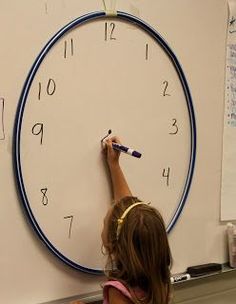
{"type": "Point", "coordinates": [97, 297]}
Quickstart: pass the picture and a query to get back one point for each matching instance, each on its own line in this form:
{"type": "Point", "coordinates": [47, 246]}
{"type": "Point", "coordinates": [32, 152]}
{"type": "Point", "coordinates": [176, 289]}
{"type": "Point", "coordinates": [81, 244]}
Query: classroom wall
{"type": "Point", "coordinates": [196, 32]}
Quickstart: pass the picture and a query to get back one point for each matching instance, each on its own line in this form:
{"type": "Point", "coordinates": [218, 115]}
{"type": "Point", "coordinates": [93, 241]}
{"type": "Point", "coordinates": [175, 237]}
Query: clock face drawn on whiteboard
{"type": "Point", "coordinates": [99, 73]}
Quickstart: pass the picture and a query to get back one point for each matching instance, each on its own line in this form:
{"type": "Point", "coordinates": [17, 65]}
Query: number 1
{"type": "Point", "coordinates": [146, 52]}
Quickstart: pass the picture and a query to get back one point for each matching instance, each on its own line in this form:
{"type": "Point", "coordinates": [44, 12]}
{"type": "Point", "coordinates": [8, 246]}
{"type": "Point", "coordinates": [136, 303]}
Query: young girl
{"type": "Point", "coordinates": [135, 240]}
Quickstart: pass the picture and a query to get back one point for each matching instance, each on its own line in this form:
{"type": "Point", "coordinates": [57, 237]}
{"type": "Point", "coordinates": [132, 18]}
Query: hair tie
{"type": "Point", "coordinates": [121, 219]}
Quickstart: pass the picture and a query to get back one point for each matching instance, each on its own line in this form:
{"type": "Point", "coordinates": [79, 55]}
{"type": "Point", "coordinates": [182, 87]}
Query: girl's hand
{"type": "Point", "coordinates": [112, 155]}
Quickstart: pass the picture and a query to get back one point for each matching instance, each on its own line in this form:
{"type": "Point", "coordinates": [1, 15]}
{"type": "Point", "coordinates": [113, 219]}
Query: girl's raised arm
{"type": "Point", "coordinates": [119, 184]}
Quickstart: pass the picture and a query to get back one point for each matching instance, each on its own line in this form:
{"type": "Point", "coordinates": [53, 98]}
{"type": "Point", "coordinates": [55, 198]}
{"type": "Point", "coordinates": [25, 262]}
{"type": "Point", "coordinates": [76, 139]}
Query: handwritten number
{"type": "Point", "coordinates": [37, 129]}
{"type": "Point", "coordinates": [44, 198]}
{"type": "Point", "coordinates": [40, 89]}
{"type": "Point", "coordinates": [166, 174]}
{"type": "Point", "coordinates": [2, 106]}
{"type": "Point", "coordinates": [68, 47]}
{"type": "Point", "coordinates": [105, 31]}
{"type": "Point", "coordinates": [175, 126]}
{"type": "Point", "coordinates": [112, 30]}
{"type": "Point", "coordinates": [166, 84]}
{"type": "Point", "coordinates": [70, 218]}
{"type": "Point", "coordinates": [51, 87]}
{"type": "Point", "coordinates": [109, 31]}
{"type": "Point", "coordinates": [49, 90]}
{"type": "Point", "coordinates": [146, 51]}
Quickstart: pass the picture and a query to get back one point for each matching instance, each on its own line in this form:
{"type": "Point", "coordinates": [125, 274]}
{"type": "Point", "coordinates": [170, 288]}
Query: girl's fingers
{"type": "Point", "coordinates": [108, 148]}
{"type": "Point", "coordinates": [115, 139]}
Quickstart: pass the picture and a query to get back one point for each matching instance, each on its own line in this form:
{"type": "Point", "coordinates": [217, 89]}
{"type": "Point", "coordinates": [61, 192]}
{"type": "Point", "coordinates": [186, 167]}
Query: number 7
{"type": "Point", "coordinates": [70, 217]}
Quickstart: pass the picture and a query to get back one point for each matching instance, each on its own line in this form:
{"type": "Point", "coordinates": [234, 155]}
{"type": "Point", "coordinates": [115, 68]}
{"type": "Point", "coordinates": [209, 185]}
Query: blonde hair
{"type": "Point", "coordinates": [141, 256]}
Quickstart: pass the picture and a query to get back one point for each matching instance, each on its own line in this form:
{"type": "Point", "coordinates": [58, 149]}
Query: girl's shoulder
{"type": "Point", "coordinates": [117, 292]}
{"type": "Point", "coordinates": [113, 290]}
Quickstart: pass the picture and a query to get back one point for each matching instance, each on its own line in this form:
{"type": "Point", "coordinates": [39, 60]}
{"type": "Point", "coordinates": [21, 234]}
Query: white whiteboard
{"type": "Point", "coordinates": [190, 32]}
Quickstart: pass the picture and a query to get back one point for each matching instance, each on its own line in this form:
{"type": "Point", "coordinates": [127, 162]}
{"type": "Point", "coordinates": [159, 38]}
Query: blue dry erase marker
{"type": "Point", "coordinates": [126, 150]}
{"type": "Point", "coordinates": [180, 277]}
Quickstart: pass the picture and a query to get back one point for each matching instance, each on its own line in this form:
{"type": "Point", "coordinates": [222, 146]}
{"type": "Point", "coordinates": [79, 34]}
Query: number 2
{"type": "Point", "coordinates": [166, 84]}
